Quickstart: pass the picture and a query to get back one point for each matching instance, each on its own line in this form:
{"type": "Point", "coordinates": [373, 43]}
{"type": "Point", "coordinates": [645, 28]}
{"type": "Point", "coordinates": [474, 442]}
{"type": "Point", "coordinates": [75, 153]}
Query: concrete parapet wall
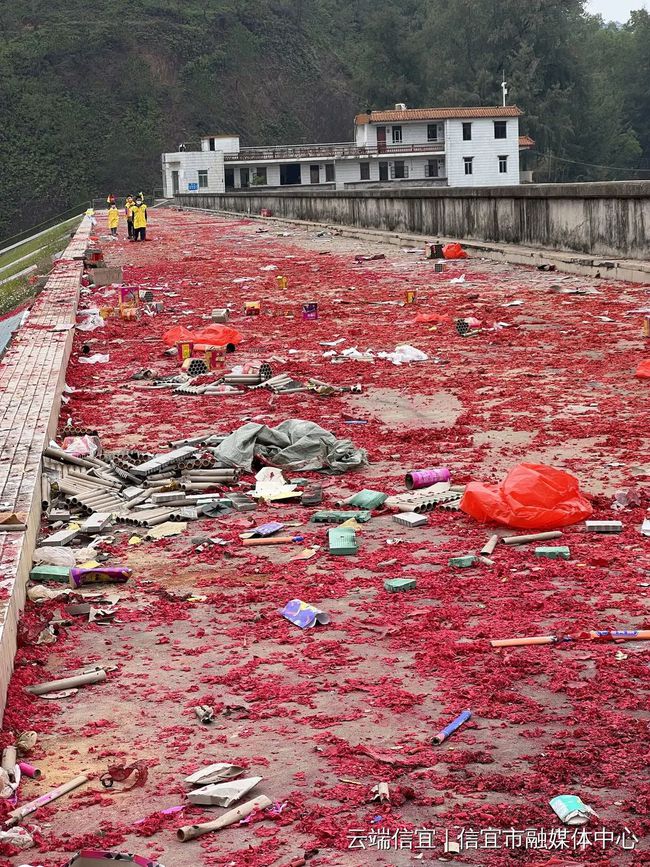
{"type": "Point", "coordinates": [604, 219]}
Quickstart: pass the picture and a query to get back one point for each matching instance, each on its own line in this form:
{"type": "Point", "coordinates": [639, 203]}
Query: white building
{"type": "Point", "coordinates": [456, 147]}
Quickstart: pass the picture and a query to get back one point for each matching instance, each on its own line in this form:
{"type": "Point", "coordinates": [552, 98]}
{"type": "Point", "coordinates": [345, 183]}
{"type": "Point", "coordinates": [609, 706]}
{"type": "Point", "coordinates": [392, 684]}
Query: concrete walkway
{"type": "Point", "coordinates": [32, 376]}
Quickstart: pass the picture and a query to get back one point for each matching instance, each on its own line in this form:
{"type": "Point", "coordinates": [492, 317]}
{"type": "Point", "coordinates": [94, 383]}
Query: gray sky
{"type": "Point", "coordinates": [614, 10]}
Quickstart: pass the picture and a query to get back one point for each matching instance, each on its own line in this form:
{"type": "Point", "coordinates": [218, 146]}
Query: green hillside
{"type": "Point", "coordinates": [91, 94]}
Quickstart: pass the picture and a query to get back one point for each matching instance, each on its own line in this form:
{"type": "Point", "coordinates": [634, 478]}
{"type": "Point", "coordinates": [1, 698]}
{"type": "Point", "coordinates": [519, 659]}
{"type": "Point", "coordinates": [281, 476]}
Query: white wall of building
{"type": "Point", "coordinates": [227, 144]}
{"type": "Point", "coordinates": [188, 164]}
{"type": "Point", "coordinates": [485, 150]}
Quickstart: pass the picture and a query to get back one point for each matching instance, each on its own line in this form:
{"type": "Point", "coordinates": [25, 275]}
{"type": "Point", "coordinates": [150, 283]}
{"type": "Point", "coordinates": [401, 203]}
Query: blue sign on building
{"type": "Point", "coordinates": [192, 186]}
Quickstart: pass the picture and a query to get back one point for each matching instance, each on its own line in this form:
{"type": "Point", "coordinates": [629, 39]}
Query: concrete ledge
{"type": "Point", "coordinates": [634, 271]}
{"type": "Point", "coordinates": [32, 376]}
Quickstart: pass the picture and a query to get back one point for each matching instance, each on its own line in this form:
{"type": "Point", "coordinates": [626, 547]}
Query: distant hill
{"type": "Point", "coordinates": [91, 94]}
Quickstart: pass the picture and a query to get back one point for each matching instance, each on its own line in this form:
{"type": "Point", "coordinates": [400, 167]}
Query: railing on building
{"type": "Point", "coordinates": [332, 151]}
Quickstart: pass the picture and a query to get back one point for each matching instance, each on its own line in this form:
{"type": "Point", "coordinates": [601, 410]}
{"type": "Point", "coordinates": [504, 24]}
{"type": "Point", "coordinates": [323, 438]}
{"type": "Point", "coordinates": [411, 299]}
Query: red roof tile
{"type": "Point", "coordinates": [525, 141]}
{"type": "Point", "coordinates": [438, 114]}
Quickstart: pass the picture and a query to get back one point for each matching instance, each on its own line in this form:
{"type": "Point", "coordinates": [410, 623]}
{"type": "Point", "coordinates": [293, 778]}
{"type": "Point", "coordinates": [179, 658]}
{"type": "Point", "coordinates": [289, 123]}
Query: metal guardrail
{"type": "Point", "coordinates": [40, 228]}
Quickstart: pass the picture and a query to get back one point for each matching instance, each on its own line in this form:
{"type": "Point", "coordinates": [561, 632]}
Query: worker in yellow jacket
{"type": "Point", "coordinates": [139, 211]}
{"type": "Point", "coordinates": [113, 219]}
{"type": "Point", "coordinates": [128, 213]}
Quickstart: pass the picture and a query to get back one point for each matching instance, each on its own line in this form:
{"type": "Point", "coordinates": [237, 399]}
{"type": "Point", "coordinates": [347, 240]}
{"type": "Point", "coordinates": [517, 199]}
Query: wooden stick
{"type": "Point", "coordinates": [27, 809]}
{"type": "Point", "coordinates": [522, 642]}
{"type": "Point", "coordinates": [269, 540]}
{"type": "Point", "coordinates": [191, 832]}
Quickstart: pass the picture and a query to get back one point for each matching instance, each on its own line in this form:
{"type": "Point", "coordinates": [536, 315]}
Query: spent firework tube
{"type": "Point", "coordinates": [30, 771]}
{"type": "Point", "coordinates": [451, 728]}
{"type": "Point", "coordinates": [425, 478]}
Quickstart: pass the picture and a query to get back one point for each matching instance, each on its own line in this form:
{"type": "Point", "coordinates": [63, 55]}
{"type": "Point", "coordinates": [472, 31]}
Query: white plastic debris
{"type": "Point", "coordinates": [91, 321]}
{"type": "Point", "coordinates": [404, 354]}
{"type": "Point", "coordinates": [19, 837]}
{"type": "Point", "coordinates": [270, 484]}
{"type": "Point", "coordinates": [97, 358]}
{"type": "Point", "coordinates": [54, 556]}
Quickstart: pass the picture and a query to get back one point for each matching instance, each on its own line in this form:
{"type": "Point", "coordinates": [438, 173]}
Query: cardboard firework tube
{"type": "Point", "coordinates": [94, 480]}
{"type": "Point", "coordinates": [531, 537]}
{"type": "Point", "coordinates": [523, 642]}
{"type": "Point", "coordinates": [65, 458]}
{"type": "Point", "coordinates": [68, 682]}
{"type": "Point", "coordinates": [269, 540]}
{"type": "Point", "coordinates": [9, 761]}
{"type": "Point", "coordinates": [27, 809]}
{"type": "Point", "coordinates": [425, 478]}
{"type": "Point", "coordinates": [140, 498]}
{"type": "Point", "coordinates": [30, 771]}
{"type": "Point", "coordinates": [490, 545]}
{"type": "Point", "coordinates": [443, 734]}
{"type": "Point", "coordinates": [191, 832]}
{"type": "Point", "coordinates": [630, 634]}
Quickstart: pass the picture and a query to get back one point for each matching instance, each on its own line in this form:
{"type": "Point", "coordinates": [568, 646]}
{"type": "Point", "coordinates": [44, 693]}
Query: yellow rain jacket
{"type": "Point", "coordinates": [113, 218]}
{"type": "Point", "coordinates": [139, 216]}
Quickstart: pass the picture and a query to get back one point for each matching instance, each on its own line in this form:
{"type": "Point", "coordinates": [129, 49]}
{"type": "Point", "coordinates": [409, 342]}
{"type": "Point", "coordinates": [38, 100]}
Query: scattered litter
{"type": "Point", "coordinates": [97, 358]}
{"type": "Point", "coordinates": [223, 794]}
{"type": "Point", "coordinates": [218, 773]}
{"type": "Point", "coordinates": [455, 724]}
{"type": "Point", "coordinates": [381, 793]}
{"type": "Point", "coordinates": [571, 810]}
{"type": "Point", "coordinates": [532, 496]}
{"type": "Point", "coordinates": [121, 773]}
{"type": "Point", "coordinates": [303, 614]}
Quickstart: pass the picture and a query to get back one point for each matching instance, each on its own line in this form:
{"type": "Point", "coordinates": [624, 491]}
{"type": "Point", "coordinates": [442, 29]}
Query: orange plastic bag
{"type": "Point", "coordinates": [212, 335]}
{"type": "Point", "coordinates": [531, 497]}
{"type": "Point", "coordinates": [643, 370]}
{"type": "Point", "coordinates": [177, 334]}
{"type": "Point", "coordinates": [218, 335]}
{"type": "Point", "coordinates": [454, 251]}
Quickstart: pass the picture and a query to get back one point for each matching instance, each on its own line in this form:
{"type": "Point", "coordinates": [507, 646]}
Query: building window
{"type": "Point", "coordinates": [503, 165]}
{"type": "Point", "coordinates": [469, 165]}
{"type": "Point", "coordinates": [314, 174]}
{"type": "Point", "coordinates": [212, 144]}
{"type": "Point", "coordinates": [500, 128]}
{"type": "Point", "coordinates": [259, 176]}
{"type": "Point", "coordinates": [432, 132]}
{"type": "Point", "coordinates": [431, 169]}
{"type": "Point", "coordinates": [399, 169]}
{"type": "Point", "coordinates": [397, 135]}
{"type": "Point", "coordinates": [364, 171]}
{"type": "Point", "coordinates": [330, 177]}
{"type": "Point", "coordinates": [245, 178]}
{"type": "Point", "coordinates": [467, 132]}
{"type": "Point", "coordinates": [203, 179]}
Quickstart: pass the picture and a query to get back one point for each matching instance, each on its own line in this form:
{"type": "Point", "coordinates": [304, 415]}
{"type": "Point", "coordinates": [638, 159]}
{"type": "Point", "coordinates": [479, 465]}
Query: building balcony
{"type": "Point", "coordinates": [331, 151]}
